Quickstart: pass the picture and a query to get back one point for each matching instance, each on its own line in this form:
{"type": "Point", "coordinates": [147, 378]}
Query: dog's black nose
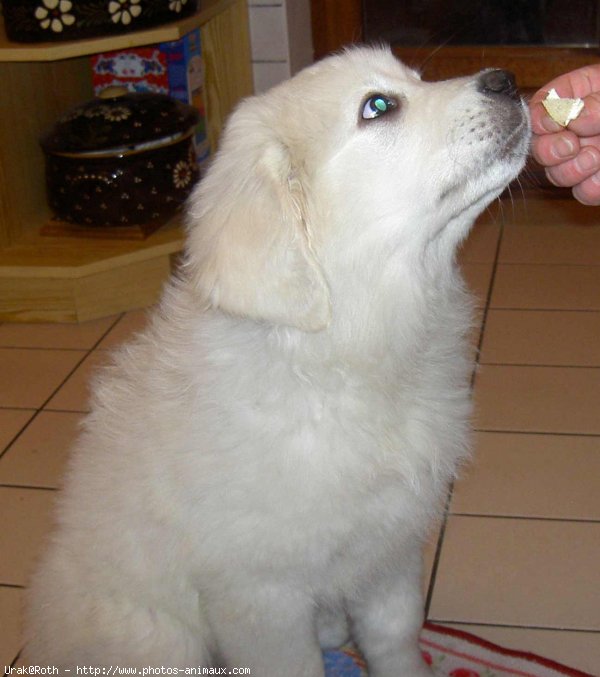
{"type": "Point", "coordinates": [498, 81]}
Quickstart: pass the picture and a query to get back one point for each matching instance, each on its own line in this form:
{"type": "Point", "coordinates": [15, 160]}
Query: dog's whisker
{"type": "Point", "coordinates": [434, 51]}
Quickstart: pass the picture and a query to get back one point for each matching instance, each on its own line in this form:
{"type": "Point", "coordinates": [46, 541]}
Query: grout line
{"type": "Point", "coordinates": [41, 407]}
{"type": "Point", "coordinates": [40, 348]}
{"type": "Point", "coordinates": [544, 310]}
{"type": "Point", "coordinates": [541, 366]}
{"type": "Point", "coordinates": [33, 409]}
{"type": "Point", "coordinates": [107, 332]}
{"type": "Point", "coordinates": [549, 264]}
{"type": "Point", "coordinates": [527, 309]}
{"type": "Point", "coordinates": [438, 552]}
{"type": "Point", "coordinates": [67, 411]}
{"type": "Point", "coordinates": [19, 432]}
{"type": "Point", "coordinates": [488, 299]}
{"type": "Point", "coordinates": [83, 359]}
{"type": "Point", "coordinates": [525, 518]}
{"type": "Point", "coordinates": [533, 432]}
{"type": "Point", "coordinates": [4, 485]}
{"type": "Point", "coordinates": [14, 662]}
{"type": "Point", "coordinates": [485, 624]}
{"type": "Point", "coordinates": [55, 391]}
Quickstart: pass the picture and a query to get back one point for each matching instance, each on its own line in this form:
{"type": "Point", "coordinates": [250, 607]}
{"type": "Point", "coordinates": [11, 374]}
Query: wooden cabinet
{"type": "Point", "coordinates": [336, 23]}
{"type": "Point", "coordinates": [72, 279]}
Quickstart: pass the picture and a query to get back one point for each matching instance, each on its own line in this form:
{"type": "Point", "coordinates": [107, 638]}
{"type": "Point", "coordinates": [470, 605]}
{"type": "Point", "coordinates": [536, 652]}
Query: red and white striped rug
{"type": "Point", "coordinates": [453, 653]}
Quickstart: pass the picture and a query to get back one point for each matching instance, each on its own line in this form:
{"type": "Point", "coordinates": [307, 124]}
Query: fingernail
{"type": "Point", "coordinates": [586, 160]}
{"type": "Point", "coordinates": [549, 125]}
{"type": "Point", "coordinates": [551, 178]}
{"type": "Point", "coordinates": [563, 148]}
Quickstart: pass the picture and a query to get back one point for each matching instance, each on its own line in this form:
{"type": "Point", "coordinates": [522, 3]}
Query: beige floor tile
{"type": "Point", "coordinates": [11, 422]}
{"type": "Point", "coordinates": [538, 573]}
{"type": "Point", "coordinates": [548, 212]}
{"type": "Point", "coordinates": [546, 287]}
{"type": "Point", "coordinates": [74, 394]}
{"type": "Point", "coordinates": [553, 476]}
{"type": "Point", "coordinates": [67, 336]}
{"type": "Point", "coordinates": [11, 600]}
{"type": "Point", "coordinates": [26, 516]}
{"type": "Point", "coordinates": [38, 457]}
{"type": "Point", "coordinates": [553, 338]}
{"type": "Point", "coordinates": [537, 399]}
{"type": "Point", "coordinates": [21, 663]}
{"type": "Point", "coordinates": [563, 244]}
{"type": "Point", "coordinates": [481, 245]}
{"type": "Point", "coordinates": [478, 277]}
{"type": "Point", "coordinates": [29, 377]}
{"type": "Point", "coordinates": [429, 556]}
{"type": "Point", "coordinates": [578, 650]}
{"type": "Point", "coordinates": [130, 324]}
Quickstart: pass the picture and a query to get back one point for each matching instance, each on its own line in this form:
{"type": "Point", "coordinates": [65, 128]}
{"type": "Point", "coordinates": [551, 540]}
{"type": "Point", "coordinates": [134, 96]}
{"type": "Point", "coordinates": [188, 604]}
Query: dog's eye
{"type": "Point", "coordinates": [377, 105]}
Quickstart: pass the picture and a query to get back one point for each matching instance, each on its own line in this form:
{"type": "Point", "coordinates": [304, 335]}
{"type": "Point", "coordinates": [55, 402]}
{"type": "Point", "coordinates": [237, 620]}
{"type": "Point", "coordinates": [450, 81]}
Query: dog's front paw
{"type": "Point", "coordinates": [403, 668]}
{"type": "Point", "coordinates": [420, 670]}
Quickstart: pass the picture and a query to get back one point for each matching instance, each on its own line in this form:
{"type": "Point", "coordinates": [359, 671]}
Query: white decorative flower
{"type": "Point", "coordinates": [124, 11]}
{"type": "Point", "coordinates": [117, 113]}
{"type": "Point", "coordinates": [182, 174]}
{"type": "Point", "coordinates": [177, 5]}
{"type": "Point", "coordinates": [54, 14]}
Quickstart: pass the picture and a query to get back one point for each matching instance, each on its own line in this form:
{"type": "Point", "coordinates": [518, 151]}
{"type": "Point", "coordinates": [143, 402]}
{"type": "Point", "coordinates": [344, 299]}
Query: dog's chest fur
{"type": "Point", "coordinates": [328, 453]}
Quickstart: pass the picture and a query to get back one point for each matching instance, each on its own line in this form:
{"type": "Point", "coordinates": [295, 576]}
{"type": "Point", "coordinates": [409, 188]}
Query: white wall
{"type": "Point", "coordinates": [280, 33]}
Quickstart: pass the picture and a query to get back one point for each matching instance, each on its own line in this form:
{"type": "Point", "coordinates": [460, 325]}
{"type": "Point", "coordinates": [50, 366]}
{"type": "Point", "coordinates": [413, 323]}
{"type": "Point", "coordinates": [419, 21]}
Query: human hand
{"type": "Point", "coordinates": [571, 155]}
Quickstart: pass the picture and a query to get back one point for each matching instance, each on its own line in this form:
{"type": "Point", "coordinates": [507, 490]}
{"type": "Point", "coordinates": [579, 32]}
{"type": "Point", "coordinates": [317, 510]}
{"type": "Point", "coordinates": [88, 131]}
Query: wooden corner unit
{"type": "Point", "coordinates": [69, 279]}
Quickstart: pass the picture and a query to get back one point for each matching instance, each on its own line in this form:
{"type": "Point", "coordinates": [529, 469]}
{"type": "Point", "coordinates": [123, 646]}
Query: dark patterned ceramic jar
{"type": "Point", "coordinates": [121, 160]}
{"type": "Point", "coordinates": [50, 20]}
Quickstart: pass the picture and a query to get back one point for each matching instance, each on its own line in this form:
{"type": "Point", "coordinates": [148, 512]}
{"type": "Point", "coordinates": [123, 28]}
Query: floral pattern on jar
{"type": "Point", "coordinates": [55, 15]}
{"type": "Point", "coordinates": [124, 11]}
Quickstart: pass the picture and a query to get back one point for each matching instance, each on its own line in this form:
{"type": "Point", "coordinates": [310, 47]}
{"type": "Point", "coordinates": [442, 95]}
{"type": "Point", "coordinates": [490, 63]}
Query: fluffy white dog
{"type": "Point", "coordinates": [260, 466]}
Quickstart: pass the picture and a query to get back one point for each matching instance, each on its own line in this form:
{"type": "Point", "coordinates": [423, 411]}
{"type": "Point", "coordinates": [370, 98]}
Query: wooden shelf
{"type": "Point", "coordinates": [71, 279]}
{"type": "Point", "coordinates": [44, 279]}
{"type": "Point", "coordinates": [55, 51]}
{"type": "Point", "coordinates": [74, 257]}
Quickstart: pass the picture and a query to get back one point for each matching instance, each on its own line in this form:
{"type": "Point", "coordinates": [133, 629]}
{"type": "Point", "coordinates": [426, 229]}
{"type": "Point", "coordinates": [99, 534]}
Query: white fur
{"type": "Point", "coordinates": [260, 466]}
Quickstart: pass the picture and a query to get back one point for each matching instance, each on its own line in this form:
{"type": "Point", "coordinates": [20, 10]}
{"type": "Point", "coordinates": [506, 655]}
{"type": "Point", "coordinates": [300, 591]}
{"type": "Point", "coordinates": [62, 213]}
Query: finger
{"type": "Point", "coordinates": [588, 121]}
{"type": "Point", "coordinates": [588, 191]}
{"type": "Point", "coordinates": [586, 124]}
{"type": "Point", "coordinates": [576, 84]}
{"type": "Point", "coordinates": [553, 149]}
{"type": "Point", "coordinates": [577, 170]}
{"type": "Point", "coordinates": [541, 122]}
{"type": "Point", "coordinates": [583, 83]}
{"type": "Point", "coordinates": [590, 141]}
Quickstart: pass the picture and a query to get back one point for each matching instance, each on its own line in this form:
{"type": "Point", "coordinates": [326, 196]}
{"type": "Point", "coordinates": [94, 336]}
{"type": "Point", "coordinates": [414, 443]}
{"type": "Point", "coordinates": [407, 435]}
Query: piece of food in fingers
{"type": "Point", "coordinates": [562, 110]}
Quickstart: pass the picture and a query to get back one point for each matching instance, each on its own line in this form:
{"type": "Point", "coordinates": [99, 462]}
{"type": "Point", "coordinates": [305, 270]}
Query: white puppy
{"type": "Point", "coordinates": [261, 465]}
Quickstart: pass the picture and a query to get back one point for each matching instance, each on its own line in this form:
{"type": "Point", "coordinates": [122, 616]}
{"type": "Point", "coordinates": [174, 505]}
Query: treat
{"type": "Point", "coordinates": [561, 110]}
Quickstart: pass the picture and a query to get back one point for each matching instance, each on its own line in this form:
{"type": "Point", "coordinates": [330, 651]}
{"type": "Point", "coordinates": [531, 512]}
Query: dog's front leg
{"type": "Point", "coordinates": [271, 631]}
{"type": "Point", "coordinates": [387, 618]}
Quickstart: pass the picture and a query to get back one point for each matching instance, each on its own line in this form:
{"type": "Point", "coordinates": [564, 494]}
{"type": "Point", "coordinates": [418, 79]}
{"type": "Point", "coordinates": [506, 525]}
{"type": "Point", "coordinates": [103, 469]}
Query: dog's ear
{"type": "Point", "coordinates": [249, 247]}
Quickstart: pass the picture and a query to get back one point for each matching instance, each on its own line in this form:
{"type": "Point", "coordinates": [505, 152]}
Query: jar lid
{"type": "Point", "coordinates": [119, 122]}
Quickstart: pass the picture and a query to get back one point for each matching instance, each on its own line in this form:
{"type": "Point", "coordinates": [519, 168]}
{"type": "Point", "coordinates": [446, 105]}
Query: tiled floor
{"type": "Point", "coordinates": [518, 559]}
